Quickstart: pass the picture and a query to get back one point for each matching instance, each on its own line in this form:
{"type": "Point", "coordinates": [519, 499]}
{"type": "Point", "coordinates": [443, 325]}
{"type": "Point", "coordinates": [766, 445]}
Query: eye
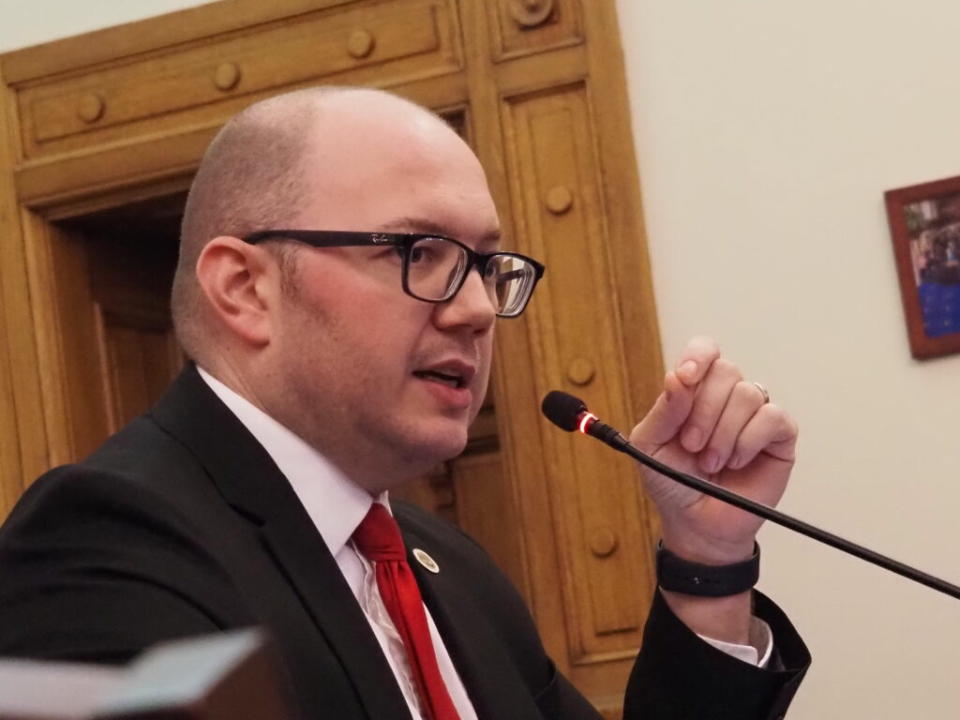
{"type": "Point", "coordinates": [429, 251]}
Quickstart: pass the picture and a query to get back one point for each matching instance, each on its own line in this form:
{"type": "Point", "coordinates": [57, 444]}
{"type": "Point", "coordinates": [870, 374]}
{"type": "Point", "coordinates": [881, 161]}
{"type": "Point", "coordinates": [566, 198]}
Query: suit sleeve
{"type": "Point", "coordinates": [93, 568]}
{"type": "Point", "coordinates": [677, 676]}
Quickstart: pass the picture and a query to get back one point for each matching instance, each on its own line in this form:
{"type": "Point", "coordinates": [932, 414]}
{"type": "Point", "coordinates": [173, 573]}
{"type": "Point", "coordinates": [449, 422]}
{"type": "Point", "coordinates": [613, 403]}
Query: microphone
{"type": "Point", "coordinates": [570, 413]}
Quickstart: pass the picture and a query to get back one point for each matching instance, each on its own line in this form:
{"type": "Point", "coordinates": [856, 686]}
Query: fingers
{"type": "Point", "coordinates": [686, 391]}
{"type": "Point", "coordinates": [770, 431]}
{"type": "Point", "coordinates": [666, 417]}
{"type": "Point", "coordinates": [738, 407]}
{"type": "Point", "coordinates": [696, 360]}
{"type": "Point", "coordinates": [714, 394]}
{"type": "Point", "coordinates": [747, 427]}
{"type": "Point", "coordinates": [720, 419]}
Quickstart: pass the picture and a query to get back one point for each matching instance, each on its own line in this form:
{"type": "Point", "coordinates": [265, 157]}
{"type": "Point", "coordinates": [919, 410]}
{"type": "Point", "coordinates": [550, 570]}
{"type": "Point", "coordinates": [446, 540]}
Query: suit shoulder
{"type": "Point", "coordinates": [417, 521]}
{"type": "Point", "coordinates": [120, 510]}
{"type": "Point", "coordinates": [76, 514]}
{"type": "Point", "coordinates": [131, 475]}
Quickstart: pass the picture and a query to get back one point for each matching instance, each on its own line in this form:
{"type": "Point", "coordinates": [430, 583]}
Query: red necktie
{"type": "Point", "coordinates": [378, 538]}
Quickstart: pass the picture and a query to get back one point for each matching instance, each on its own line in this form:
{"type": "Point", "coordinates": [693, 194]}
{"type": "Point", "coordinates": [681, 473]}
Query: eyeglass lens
{"type": "Point", "coordinates": [512, 282]}
{"type": "Point", "coordinates": [435, 267]}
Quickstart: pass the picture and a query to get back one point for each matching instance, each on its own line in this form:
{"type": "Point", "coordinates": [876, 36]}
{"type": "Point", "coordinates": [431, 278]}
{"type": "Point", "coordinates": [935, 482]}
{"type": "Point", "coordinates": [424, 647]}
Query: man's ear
{"type": "Point", "coordinates": [241, 284]}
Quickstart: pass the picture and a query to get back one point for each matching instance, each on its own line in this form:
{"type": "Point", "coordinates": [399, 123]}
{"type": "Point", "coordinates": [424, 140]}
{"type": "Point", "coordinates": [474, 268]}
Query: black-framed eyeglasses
{"type": "Point", "coordinates": [435, 267]}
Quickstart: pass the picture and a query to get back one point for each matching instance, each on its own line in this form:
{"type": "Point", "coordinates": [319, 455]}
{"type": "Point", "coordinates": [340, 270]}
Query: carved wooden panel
{"type": "Point", "coordinates": [131, 257]}
{"type": "Point", "coordinates": [139, 357]}
{"type": "Point", "coordinates": [9, 436]}
{"type": "Point", "coordinates": [103, 301]}
{"type": "Point", "coordinates": [487, 509]}
{"type": "Point", "coordinates": [392, 42]}
{"type": "Point", "coordinates": [558, 190]}
{"type": "Point", "coordinates": [14, 327]}
{"type": "Point", "coordinates": [521, 27]}
{"type": "Point", "coordinates": [71, 384]}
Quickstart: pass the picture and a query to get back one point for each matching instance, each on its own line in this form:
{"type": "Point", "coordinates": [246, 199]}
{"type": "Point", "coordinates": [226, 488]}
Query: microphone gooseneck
{"type": "Point", "coordinates": [570, 413]}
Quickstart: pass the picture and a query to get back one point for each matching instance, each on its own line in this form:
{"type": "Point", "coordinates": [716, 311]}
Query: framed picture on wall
{"type": "Point", "coordinates": [925, 225]}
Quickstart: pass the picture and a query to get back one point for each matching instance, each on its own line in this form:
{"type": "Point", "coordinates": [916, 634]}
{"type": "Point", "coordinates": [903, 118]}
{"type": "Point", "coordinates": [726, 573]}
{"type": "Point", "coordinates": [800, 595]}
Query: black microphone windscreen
{"type": "Point", "coordinates": [562, 409]}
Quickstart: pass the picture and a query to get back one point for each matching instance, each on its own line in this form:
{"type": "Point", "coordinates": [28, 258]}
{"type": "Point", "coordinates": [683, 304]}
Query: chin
{"type": "Point", "coordinates": [449, 446]}
{"type": "Point", "coordinates": [438, 445]}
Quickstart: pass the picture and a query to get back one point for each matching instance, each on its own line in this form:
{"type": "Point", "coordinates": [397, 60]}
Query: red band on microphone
{"type": "Point", "coordinates": [586, 420]}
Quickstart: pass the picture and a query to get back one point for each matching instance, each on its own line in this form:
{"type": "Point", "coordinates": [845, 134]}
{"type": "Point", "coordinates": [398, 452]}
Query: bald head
{"type": "Point", "coordinates": [339, 352]}
{"type": "Point", "coordinates": [259, 173]}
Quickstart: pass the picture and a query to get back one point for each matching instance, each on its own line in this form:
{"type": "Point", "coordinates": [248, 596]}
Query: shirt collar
{"type": "Point", "coordinates": [335, 504]}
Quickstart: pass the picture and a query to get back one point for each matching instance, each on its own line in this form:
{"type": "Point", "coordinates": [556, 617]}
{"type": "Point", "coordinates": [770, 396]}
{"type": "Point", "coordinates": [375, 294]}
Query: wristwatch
{"type": "Point", "coordinates": [690, 578]}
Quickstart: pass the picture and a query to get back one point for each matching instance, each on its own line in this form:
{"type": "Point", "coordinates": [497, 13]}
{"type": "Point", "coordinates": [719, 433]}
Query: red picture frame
{"type": "Point", "coordinates": [925, 228]}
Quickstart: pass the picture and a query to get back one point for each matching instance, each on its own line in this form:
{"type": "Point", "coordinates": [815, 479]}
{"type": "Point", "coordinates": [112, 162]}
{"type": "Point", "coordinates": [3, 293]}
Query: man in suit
{"type": "Point", "coordinates": [340, 343]}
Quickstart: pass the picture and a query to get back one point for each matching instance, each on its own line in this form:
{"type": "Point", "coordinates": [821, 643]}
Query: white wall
{"type": "Point", "coordinates": [30, 22]}
{"type": "Point", "coordinates": [766, 134]}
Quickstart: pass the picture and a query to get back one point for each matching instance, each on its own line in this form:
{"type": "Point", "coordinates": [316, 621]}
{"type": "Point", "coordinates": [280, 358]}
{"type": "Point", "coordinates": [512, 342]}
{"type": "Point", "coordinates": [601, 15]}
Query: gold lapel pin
{"type": "Point", "coordinates": [424, 559]}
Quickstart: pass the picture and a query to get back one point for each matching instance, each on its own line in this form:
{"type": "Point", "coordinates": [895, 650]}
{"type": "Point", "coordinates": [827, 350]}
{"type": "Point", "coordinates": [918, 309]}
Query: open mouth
{"type": "Point", "coordinates": [445, 378]}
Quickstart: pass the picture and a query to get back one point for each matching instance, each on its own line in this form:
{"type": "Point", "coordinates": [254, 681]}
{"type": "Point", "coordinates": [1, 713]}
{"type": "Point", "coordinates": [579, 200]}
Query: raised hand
{"type": "Point", "coordinates": [710, 422]}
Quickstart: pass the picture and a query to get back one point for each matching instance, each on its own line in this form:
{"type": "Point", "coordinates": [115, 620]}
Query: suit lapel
{"type": "Point", "coordinates": [325, 593]}
{"type": "Point", "coordinates": [484, 666]}
{"type": "Point", "coordinates": [252, 484]}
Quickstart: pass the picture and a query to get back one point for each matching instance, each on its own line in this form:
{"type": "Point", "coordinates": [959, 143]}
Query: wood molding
{"type": "Point", "coordinates": [525, 27]}
{"type": "Point", "coordinates": [143, 36]}
{"type": "Point", "coordinates": [9, 435]}
{"type": "Point", "coordinates": [178, 86]}
{"type": "Point", "coordinates": [24, 452]}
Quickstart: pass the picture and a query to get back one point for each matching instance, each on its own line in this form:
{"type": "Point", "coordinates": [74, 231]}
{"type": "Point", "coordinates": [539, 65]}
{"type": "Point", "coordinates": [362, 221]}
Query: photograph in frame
{"type": "Point", "coordinates": [925, 228]}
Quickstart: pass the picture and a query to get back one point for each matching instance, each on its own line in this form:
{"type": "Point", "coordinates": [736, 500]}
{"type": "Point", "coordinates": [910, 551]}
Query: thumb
{"type": "Point", "coordinates": [666, 417]}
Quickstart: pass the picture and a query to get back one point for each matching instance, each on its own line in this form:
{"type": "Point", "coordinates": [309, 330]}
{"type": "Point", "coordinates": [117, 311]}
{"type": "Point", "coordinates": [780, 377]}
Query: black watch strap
{"type": "Point", "coordinates": [678, 575]}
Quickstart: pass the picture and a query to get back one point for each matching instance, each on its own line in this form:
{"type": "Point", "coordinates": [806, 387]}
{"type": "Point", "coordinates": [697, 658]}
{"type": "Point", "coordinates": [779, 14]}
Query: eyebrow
{"type": "Point", "coordinates": [425, 225]}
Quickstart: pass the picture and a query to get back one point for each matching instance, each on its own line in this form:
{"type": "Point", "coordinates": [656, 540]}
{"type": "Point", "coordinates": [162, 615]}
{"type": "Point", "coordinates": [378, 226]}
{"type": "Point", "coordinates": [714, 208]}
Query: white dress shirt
{"type": "Point", "coordinates": [337, 506]}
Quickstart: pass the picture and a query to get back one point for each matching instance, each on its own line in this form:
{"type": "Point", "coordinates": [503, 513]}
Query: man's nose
{"type": "Point", "coordinates": [472, 305]}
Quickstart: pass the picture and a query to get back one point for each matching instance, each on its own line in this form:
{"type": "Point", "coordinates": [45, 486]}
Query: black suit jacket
{"type": "Point", "coordinates": [181, 524]}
